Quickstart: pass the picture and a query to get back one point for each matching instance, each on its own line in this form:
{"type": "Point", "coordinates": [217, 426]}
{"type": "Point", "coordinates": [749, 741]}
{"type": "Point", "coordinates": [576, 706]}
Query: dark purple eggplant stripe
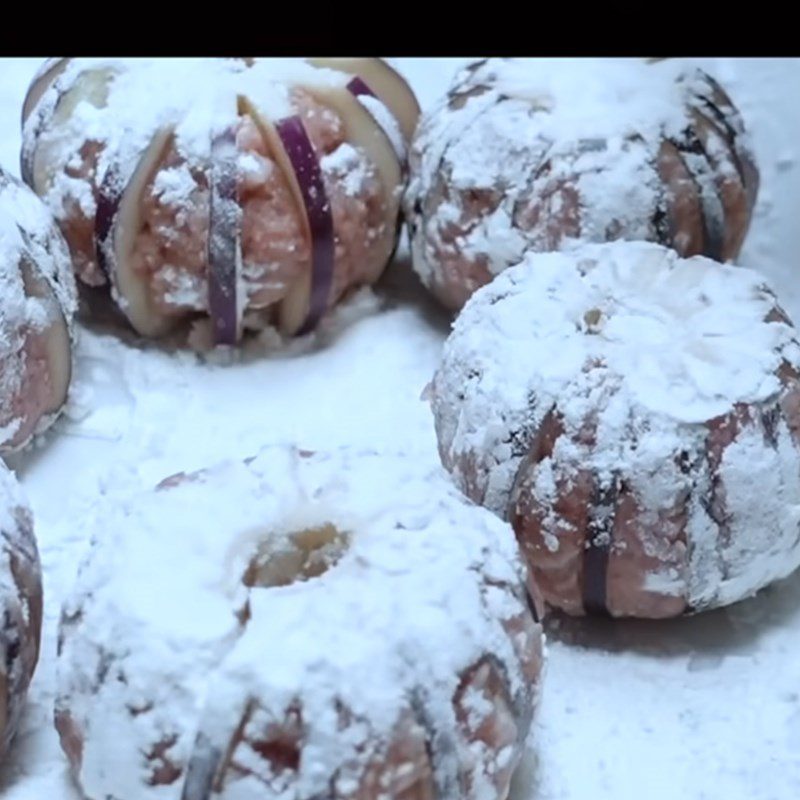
{"type": "Point", "coordinates": [595, 555]}
{"type": "Point", "coordinates": [714, 222]}
{"type": "Point", "coordinates": [223, 239]}
{"type": "Point", "coordinates": [358, 88]}
{"type": "Point", "coordinates": [531, 606]}
{"type": "Point", "coordinates": [318, 212]}
{"type": "Point", "coordinates": [108, 199]}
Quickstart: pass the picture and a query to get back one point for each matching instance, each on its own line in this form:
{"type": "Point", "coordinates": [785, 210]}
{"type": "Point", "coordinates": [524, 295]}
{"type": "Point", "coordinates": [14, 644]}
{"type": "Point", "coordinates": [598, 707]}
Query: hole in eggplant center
{"type": "Point", "coordinates": [300, 556]}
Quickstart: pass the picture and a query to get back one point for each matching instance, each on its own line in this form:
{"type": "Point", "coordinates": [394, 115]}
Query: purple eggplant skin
{"type": "Point", "coordinates": [358, 88]}
{"type": "Point", "coordinates": [107, 206]}
{"type": "Point", "coordinates": [224, 239]}
{"type": "Point", "coordinates": [305, 163]}
{"type": "Point", "coordinates": [121, 215]}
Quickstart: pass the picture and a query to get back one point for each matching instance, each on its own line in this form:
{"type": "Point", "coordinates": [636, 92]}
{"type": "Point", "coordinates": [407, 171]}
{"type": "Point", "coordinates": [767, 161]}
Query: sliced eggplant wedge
{"type": "Point", "coordinates": [296, 308]}
{"type": "Point", "coordinates": [723, 110]}
{"type": "Point", "coordinates": [43, 159]}
{"type": "Point", "coordinates": [124, 208]}
{"type": "Point", "coordinates": [362, 132]}
{"type": "Point", "coordinates": [701, 170]}
{"type": "Point", "coordinates": [319, 215]}
{"type": "Point", "coordinates": [58, 345]}
{"type": "Point", "coordinates": [386, 83]}
{"type": "Point", "coordinates": [42, 81]}
{"type": "Point", "coordinates": [388, 123]}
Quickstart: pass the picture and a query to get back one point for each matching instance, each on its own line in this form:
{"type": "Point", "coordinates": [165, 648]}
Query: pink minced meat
{"type": "Point", "coordinates": [276, 251]}
{"type": "Point", "coordinates": [78, 226]}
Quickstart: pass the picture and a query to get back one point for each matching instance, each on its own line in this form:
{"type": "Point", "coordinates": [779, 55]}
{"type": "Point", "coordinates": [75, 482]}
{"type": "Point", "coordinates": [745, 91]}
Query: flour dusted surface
{"type": "Point", "coordinates": [535, 153]}
{"type": "Point", "coordinates": [159, 614]}
{"type": "Point", "coordinates": [656, 368]}
{"type": "Point", "coordinates": [687, 739]}
{"type": "Point", "coordinates": [31, 248]}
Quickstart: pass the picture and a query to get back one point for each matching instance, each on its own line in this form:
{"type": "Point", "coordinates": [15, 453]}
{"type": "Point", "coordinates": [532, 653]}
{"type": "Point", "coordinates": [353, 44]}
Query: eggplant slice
{"type": "Point", "coordinates": [385, 83]}
{"type": "Point", "coordinates": [42, 81]}
{"type": "Point", "coordinates": [125, 206]}
{"type": "Point", "coordinates": [363, 133]}
{"type": "Point", "coordinates": [41, 160]}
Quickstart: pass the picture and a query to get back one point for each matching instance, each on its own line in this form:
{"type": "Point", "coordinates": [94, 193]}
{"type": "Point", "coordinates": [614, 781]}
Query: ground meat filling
{"type": "Point", "coordinates": [171, 249]}
{"type": "Point", "coordinates": [78, 225]}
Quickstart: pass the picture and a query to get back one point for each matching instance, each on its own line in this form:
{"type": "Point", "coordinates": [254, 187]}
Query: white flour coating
{"type": "Point", "coordinates": [157, 614]}
{"type": "Point", "coordinates": [110, 106]}
{"type": "Point", "coordinates": [27, 232]}
{"type": "Point", "coordinates": [388, 124]}
{"type": "Point", "coordinates": [511, 130]}
{"type": "Point", "coordinates": [643, 349]}
{"type": "Point", "coordinates": [20, 611]}
{"type": "Point", "coordinates": [196, 96]}
{"type": "Point", "coordinates": [583, 94]}
{"type": "Point", "coordinates": [346, 165]}
{"type": "Point", "coordinates": [685, 739]}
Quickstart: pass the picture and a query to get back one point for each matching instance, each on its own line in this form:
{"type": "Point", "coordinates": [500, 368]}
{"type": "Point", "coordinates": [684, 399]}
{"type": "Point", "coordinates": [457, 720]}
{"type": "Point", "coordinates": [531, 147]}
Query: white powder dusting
{"type": "Point", "coordinates": [678, 709]}
{"type": "Point", "coordinates": [346, 165]}
{"type": "Point", "coordinates": [195, 97]}
{"type": "Point", "coordinates": [420, 558]}
{"type": "Point", "coordinates": [173, 185]}
{"type": "Point", "coordinates": [254, 170]}
{"type": "Point", "coordinates": [515, 140]}
{"type": "Point", "coordinates": [642, 348]}
{"type": "Point", "coordinates": [584, 94]}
